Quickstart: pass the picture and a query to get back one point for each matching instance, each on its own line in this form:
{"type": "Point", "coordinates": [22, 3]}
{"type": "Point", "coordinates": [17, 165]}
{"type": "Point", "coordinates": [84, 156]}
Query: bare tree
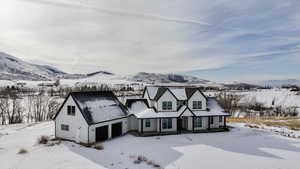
{"type": "Point", "coordinates": [229, 101]}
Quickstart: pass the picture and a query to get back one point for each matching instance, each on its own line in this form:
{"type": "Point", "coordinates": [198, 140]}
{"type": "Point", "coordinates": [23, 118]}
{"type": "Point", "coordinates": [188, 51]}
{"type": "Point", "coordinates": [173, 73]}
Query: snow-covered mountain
{"type": "Point", "coordinates": [166, 78]}
{"type": "Point", "coordinates": [12, 68]}
{"type": "Point", "coordinates": [279, 83]}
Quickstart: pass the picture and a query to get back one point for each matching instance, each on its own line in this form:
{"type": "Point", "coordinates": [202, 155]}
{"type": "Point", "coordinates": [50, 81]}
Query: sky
{"type": "Point", "coordinates": [220, 40]}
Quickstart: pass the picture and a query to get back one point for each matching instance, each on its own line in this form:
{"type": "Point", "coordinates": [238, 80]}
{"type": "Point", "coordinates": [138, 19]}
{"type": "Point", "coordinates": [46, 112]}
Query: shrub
{"type": "Point", "coordinates": [99, 146]}
{"type": "Point", "coordinates": [43, 140]}
{"type": "Point", "coordinates": [23, 151]}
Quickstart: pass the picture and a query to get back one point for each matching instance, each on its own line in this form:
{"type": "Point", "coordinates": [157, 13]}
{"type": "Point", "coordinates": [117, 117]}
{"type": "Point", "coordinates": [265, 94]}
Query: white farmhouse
{"type": "Point", "coordinates": [90, 117]}
{"type": "Point", "coordinates": [165, 110]}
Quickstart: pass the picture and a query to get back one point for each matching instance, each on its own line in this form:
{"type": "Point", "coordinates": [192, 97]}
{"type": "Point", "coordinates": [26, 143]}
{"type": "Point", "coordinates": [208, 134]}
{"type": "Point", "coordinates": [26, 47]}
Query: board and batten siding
{"type": "Point", "coordinates": [197, 96]}
{"type": "Point", "coordinates": [77, 125]}
{"type": "Point", "coordinates": [153, 125]}
{"type": "Point", "coordinates": [167, 96]}
{"type": "Point", "coordinates": [92, 128]}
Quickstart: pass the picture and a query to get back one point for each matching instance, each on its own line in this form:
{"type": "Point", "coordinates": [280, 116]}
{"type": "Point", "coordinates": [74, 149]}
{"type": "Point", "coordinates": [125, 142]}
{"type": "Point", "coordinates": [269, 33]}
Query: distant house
{"type": "Point", "coordinates": [90, 117]}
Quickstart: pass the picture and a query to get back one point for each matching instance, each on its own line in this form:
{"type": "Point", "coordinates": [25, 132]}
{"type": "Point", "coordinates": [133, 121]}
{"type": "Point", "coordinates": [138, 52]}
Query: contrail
{"type": "Point", "coordinates": [120, 13]}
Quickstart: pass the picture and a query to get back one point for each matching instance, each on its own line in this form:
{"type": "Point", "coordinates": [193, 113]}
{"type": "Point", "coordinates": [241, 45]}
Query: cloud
{"type": "Point", "coordinates": [155, 36]}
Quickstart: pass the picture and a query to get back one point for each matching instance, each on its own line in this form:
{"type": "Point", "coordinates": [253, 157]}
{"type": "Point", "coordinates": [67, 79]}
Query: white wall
{"type": "Point", "coordinates": [92, 129]}
{"type": "Point", "coordinates": [167, 96]}
{"type": "Point", "coordinates": [132, 123]}
{"type": "Point", "coordinates": [197, 96]}
{"type": "Point", "coordinates": [153, 126]}
{"type": "Point", "coordinates": [78, 128]}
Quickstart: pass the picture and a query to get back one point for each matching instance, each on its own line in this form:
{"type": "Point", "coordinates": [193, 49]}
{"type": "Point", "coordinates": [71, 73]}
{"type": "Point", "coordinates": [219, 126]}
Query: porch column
{"type": "Point", "coordinates": [159, 125]}
{"type": "Point", "coordinates": [142, 126]}
{"type": "Point", "coordinates": [193, 123]}
{"type": "Point", "coordinates": [208, 122]}
{"type": "Point", "coordinates": [224, 122]}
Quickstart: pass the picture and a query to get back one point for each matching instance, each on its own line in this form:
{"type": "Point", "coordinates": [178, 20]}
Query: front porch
{"type": "Point", "coordinates": [178, 125]}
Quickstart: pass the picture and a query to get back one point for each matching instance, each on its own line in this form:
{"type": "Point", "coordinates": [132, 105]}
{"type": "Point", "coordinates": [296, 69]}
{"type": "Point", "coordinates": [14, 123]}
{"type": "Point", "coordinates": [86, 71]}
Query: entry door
{"type": "Point", "coordinates": [185, 123]}
{"type": "Point", "coordinates": [101, 133]}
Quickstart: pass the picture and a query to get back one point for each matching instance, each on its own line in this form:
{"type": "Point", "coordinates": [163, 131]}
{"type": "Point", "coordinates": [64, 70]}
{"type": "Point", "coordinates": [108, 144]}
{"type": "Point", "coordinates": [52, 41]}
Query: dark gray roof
{"type": "Point", "coordinates": [189, 91]}
{"type": "Point", "coordinates": [98, 106]}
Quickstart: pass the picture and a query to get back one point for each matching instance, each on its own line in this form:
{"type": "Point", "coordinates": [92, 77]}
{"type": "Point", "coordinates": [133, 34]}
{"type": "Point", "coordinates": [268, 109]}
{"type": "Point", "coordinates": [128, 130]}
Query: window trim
{"type": "Point", "coordinates": [167, 123]}
{"type": "Point", "coordinates": [71, 110]}
{"type": "Point", "coordinates": [64, 127]}
{"type": "Point", "coordinates": [167, 105]}
{"type": "Point", "coordinates": [197, 121]}
{"type": "Point", "coordinates": [197, 105]}
{"type": "Point", "coordinates": [147, 123]}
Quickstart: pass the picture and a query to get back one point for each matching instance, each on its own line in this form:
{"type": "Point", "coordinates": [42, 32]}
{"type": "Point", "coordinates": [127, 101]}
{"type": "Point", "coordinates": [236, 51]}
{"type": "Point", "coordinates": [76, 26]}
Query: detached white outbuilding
{"type": "Point", "coordinates": [89, 117]}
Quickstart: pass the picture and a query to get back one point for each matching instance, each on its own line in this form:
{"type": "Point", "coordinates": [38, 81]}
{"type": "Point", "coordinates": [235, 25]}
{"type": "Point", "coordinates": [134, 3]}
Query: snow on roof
{"type": "Point", "coordinates": [137, 107]}
{"type": "Point", "coordinates": [99, 106]}
{"type": "Point", "coordinates": [150, 113]}
{"type": "Point", "coordinates": [179, 93]}
{"type": "Point", "coordinates": [103, 109]}
{"type": "Point", "coordinates": [214, 109]}
{"type": "Point", "coordinates": [152, 90]}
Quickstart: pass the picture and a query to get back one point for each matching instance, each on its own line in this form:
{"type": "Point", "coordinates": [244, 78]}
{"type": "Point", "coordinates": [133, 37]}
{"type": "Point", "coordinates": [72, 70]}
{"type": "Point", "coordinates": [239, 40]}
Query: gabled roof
{"type": "Point", "coordinates": [130, 102]}
{"type": "Point", "coordinates": [179, 92]}
{"type": "Point", "coordinates": [97, 106]}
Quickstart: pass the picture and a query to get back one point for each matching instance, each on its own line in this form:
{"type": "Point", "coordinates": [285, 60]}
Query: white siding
{"type": "Point", "coordinates": [197, 96]}
{"type": "Point", "coordinates": [204, 124]}
{"type": "Point", "coordinates": [153, 126]}
{"type": "Point", "coordinates": [132, 123]}
{"type": "Point", "coordinates": [167, 96]}
{"type": "Point", "coordinates": [92, 129]}
{"type": "Point", "coordinates": [78, 128]}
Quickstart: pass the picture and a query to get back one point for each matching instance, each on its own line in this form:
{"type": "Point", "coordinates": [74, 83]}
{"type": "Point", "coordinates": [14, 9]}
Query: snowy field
{"type": "Point", "coordinates": [241, 148]}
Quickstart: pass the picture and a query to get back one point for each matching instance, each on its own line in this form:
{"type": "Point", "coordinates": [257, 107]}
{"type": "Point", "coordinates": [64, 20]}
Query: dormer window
{"type": "Point", "coordinates": [71, 110]}
{"type": "Point", "coordinates": [197, 104]}
{"type": "Point", "coordinates": [167, 105]}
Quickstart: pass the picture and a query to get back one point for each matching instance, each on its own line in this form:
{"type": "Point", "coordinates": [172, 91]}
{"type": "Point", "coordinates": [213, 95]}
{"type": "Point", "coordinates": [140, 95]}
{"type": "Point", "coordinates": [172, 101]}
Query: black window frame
{"type": "Point", "coordinates": [198, 120]}
{"type": "Point", "coordinates": [167, 105]}
{"type": "Point", "coordinates": [220, 119]}
{"type": "Point", "coordinates": [211, 120]}
{"type": "Point", "coordinates": [167, 123]}
{"type": "Point", "coordinates": [71, 110]}
{"type": "Point", "coordinates": [197, 105]}
{"type": "Point", "coordinates": [64, 127]}
{"type": "Point", "coordinates": [147, 123]}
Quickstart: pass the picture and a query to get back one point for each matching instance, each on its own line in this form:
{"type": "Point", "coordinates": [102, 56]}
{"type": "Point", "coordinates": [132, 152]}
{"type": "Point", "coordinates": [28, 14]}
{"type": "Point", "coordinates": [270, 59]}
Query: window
{"type": "Point", "coordinates": [65, 127]}
{"type": "Point", "coordinates": [148, 123]}
{"type": "Point", "coordinates": [220, 119]}
{"type": "Point", "coordinates": [197, 104]}
{"type": "Point", "coordinates": [211, 120]}
{"type": "Point", "coordinates": [167, 105]}
{"type": "Point", "coordinates": [198, 122]}
{"type": "Point", "coordinates": [167, 124]}
{"type": "Point", "coordinates": [71, 110]}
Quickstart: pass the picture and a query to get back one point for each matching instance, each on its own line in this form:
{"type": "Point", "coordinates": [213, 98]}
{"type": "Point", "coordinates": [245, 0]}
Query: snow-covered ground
{"type": "Point", "coordinates": [242, 147]}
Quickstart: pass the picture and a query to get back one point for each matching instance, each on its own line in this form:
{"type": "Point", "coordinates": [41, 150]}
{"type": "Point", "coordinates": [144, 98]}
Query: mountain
{"type": "Point", "coordinates": [279, 83]}
{"type": "Point", "coordinates": [166, 78]}
{"type": "Point", "coordinates": [12, 68]}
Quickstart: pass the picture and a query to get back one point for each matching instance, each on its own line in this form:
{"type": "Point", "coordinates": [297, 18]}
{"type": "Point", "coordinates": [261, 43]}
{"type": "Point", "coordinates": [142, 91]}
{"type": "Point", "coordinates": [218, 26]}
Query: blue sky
{"type": "Point", "coordinates": [222, 40]}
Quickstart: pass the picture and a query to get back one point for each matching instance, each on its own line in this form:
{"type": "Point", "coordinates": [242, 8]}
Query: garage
{"type": "Point", "coordinates": [101, 133]}
{"type": "Point", "coordinates": [116, 129]}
